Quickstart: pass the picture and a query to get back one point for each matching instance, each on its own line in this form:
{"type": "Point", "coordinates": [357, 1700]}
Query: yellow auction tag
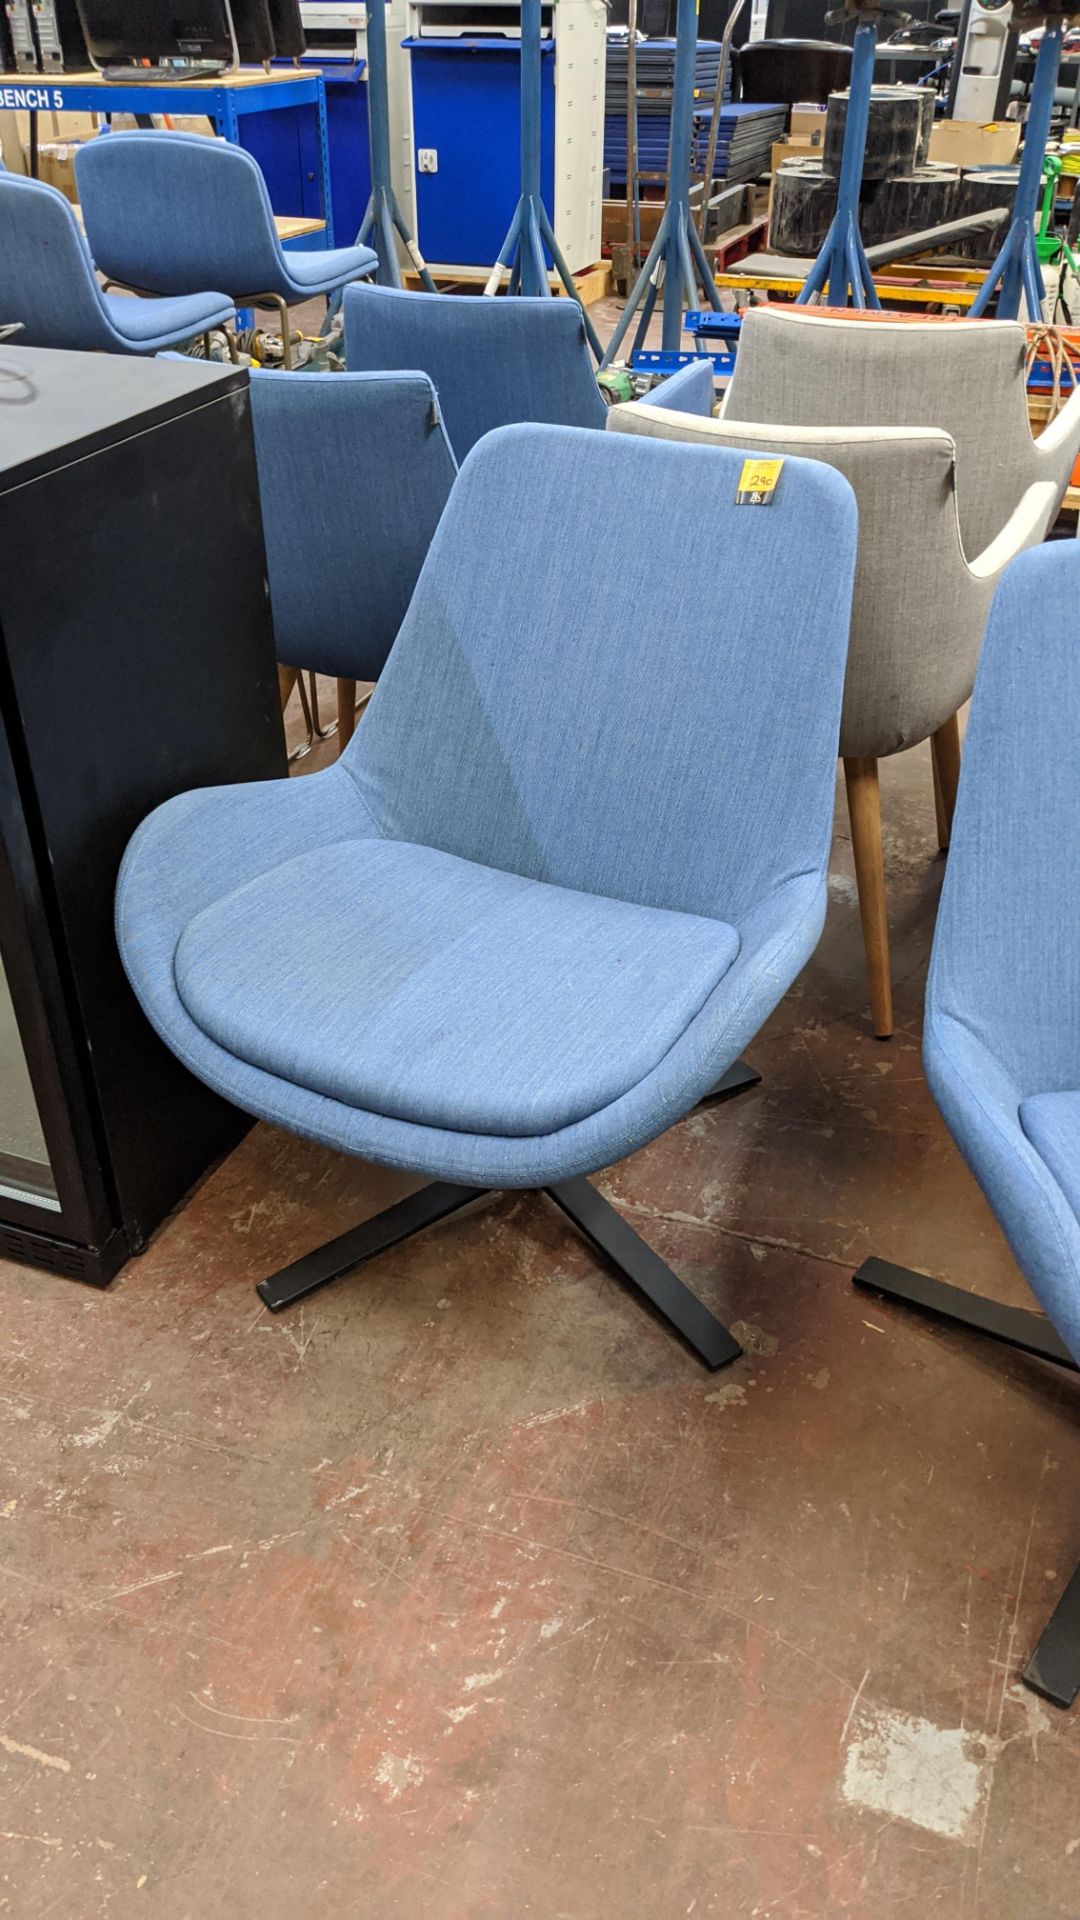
{"type": "Point", "coordinates": [757, 483]}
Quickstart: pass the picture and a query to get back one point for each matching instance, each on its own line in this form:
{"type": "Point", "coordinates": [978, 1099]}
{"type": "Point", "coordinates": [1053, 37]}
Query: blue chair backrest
{"type": "Point", "coordinates": [697, 674]}
{"type": "Point", "coordinates": [493, 362]}
{"type": "Point", "coordinates": [1006, 963]}
{"type": "Point", "coordinates": [176, 213]}
{"type": "Point", "coordinates": [46, 274]}
{"type": "Point", "coordinates": [354, 472]}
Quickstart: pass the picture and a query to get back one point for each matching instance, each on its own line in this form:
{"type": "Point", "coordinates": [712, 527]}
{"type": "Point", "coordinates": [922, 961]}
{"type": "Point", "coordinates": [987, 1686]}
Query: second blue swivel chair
{"type": "Point", "coordinates": [354, 472]}
{"type": "Point", "coordinates": [48, 285]}
{"type": "Point", "coordinates": [494, 363]}
{"type": "Point", "coordinates": [1001, 1043]}
{"type": "Point", "coordinates": [533, 914]}
{"type": "Point", "coordinates": [169, 212]}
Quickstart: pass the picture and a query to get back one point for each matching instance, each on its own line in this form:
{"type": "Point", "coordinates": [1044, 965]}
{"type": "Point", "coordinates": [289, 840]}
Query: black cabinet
{"type": "Point", "coordinates": [136, 661]}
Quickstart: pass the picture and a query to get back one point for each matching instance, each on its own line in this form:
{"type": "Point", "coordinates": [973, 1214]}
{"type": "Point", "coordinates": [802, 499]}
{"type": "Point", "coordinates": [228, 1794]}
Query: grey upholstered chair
{"type": "Point", "coordinates": [919, 612]}
{"type": "Point", "coordinates": [800, 369]}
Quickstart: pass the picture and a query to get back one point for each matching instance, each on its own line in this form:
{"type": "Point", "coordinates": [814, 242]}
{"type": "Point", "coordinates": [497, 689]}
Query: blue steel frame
{"type": "Point", "coordinates": [383, 216]}
{"type": "Point", "coordinates": [1016, 270]}
{"type": "Point", "coordinates": [530, 229]}
{"type": "Point", "coordinates": [226, 105]}
{"type": "Point", "coordinates": [842, 266]}
{"type": "Point", "coordinates": [677, 258]}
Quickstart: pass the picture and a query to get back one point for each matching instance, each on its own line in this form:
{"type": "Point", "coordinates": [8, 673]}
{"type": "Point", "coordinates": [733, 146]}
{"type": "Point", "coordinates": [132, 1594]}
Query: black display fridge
{"type": "Point", "coordinates": [136, 662]}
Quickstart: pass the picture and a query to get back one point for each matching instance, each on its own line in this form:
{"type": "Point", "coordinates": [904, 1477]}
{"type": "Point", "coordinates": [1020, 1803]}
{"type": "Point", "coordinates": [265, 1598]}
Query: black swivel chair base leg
{"type": "Point", "coordinates": [642, 1269]}
{"type": "Point", "coordinates": [350, 1250]}
{"type": "Point", "coordinates": [1054, 1667]}
{"type": "Point", "coordinates": [607, 1231]}
{"type": "Point", "coordinates": [738, 1079]}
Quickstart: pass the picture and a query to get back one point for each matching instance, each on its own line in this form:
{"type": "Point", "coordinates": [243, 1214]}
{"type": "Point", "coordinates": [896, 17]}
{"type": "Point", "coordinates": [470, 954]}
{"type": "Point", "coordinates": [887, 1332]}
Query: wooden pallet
{"type": "Point", "coordinates": [736, 244]}
{"type": "Point", "coordinates": [724, 252]}
{"type": "Point", "coordinates": [592, 283]}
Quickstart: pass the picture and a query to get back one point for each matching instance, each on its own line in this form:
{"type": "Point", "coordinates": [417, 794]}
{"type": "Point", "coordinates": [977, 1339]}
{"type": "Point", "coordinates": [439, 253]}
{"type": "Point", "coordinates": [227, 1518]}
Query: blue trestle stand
{"type": "Point", "coordinates": [383, 217]}
{"type": "Point", "coordinates": [676, 260]}
{"type": "Point", "coordinates": [1016, 270]}
{"type": "Point", "coordinates": [530, 229]}
{"type": "Point", "coordinates": [841, 269]}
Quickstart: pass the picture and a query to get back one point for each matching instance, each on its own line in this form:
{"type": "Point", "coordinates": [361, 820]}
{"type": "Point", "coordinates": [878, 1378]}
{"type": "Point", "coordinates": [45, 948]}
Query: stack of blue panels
{"type": "Point", "coordinates": [744, 142]}
{"type": "Point", "coordinates": [655, 77]}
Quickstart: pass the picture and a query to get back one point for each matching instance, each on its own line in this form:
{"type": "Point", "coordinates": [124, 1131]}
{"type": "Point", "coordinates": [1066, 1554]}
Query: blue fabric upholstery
{"type": "Point", "coordinates": [581, 994]}
{"type": "Point", "coordinates": [1002, 1037]}
{"type": "Point", "coordinates": [170, 212]}
{"type": "Point", "coordinates": [354, 471]}
{"type": "Point", "coordinates": [492, 363]}
{"type": "Point", "coordinates": [1051, 1121]}
{"type": "Point", "coordinates": [151, 325]}
{"type": "Point", "coordinates": [691, 389]}
{"type": "Point", "coordinates": [47, 282]}
{"type": "Point", "coordinates": [522, 726]}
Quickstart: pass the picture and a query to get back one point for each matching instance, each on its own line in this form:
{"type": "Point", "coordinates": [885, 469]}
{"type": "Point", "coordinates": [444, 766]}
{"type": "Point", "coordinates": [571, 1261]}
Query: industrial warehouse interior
{"type": "Point", "coordinates": [539, 960]}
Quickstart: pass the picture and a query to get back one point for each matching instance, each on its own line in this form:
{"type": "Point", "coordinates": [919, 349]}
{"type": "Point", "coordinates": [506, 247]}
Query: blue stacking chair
{"type": "Point", "coordinates": [495, 363]}
{"type": "Point", "coordinates": [1001, 1041]}
{"type": "Point", "coordinates": [169, 212]}
{"type": "Point", "coordinates": [47, 283]}
{"type": "Point", "coordinates": [354, 472]}
{"type": "Point", "coordinates": [533, 914]}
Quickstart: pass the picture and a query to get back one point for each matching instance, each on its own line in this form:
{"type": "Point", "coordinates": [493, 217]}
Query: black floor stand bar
{"type": "Point", "coordinates": [601, 1224]}
{"type": "Point", "coordinates": [644, 1270]}
{"type": "Point", "coordinates": [1016, 1327]}
{"type": "Point", "coordinates": [1054, 1667]}
{"type": "Point", "coordinates": [351, 1249]}
{"type": "Point", "coordinates": [738, 1079]}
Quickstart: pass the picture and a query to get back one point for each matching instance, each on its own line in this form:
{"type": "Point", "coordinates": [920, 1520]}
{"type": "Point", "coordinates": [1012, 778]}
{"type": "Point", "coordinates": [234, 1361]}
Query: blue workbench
{"type": "Point", "coordinates": [233, 103]}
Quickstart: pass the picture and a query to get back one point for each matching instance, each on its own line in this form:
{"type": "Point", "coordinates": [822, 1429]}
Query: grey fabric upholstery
{"type": "Point", "coordinates": [919, 608]}
{"type": "Point", "coordinates": [798, 369]}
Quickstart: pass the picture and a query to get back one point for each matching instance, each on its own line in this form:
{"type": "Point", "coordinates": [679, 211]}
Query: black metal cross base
{"type": "Point", "coordinates": [596, 1218]}
{"type": "Point", "coordinates": [1054, 1667]}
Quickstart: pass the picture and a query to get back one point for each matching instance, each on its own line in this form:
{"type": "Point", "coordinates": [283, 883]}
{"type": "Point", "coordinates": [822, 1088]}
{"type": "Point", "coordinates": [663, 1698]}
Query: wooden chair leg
{"type": "Point", "coordinates": [864, 812]}
{"type": "Point", "coordinates": [286, 679]}
{"type": "Point", "coordinates": [346, 712]}
{"type": "Point", "coordinates": [945, 751]}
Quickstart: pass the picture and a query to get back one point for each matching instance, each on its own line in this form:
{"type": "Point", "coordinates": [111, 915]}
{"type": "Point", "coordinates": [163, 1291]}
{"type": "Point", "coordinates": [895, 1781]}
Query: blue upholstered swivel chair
{"type": "Point", "coordinates": [354, 472]}
{"type": "Point", "coordinates": [47, 282]}
{"type": "Point", "coordinates": [494, 363]}
{"type": "Point", "coordinates": [535, 911]}
{"type": "Point", "coordinates": [169, 212]}
{"type": "Point", "coordinates": [1001, 1042]}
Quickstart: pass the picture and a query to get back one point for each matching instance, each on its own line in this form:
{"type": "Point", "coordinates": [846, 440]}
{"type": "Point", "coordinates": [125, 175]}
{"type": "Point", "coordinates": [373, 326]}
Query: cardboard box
{"type": "Point", "coordinates": [782, 150]}
{"type": "Point", "coordinates": [968, 143]}
{"type": "Point", "coordinates": [808, 123]}
{"type": "Point", "coordinates": [56, 166]}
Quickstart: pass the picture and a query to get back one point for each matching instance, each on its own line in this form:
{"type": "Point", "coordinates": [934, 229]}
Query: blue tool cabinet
{"type": "Point", "coordinates": [466, 108]}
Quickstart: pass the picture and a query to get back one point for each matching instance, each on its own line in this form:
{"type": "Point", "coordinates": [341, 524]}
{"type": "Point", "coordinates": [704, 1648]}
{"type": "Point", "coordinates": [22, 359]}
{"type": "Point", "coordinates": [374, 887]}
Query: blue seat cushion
{"type": "Point", "coordinates": [178, 317]}
{"type": "Point", "coordinates": [329, 268]}
{"type": "Point", "coordinates": [1051, 1121]}
{"type": "Point", "coordinates": [416, 985]}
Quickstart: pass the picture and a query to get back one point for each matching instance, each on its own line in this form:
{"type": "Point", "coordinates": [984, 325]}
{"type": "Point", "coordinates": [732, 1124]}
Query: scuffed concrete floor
{"type": "Point", "coordinates": [464, 1593]}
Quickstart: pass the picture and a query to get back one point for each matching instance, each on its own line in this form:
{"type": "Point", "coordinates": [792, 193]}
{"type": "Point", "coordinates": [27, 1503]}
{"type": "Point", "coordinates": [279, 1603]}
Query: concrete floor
{"type": "Point", "coordinates": [464, 1593]}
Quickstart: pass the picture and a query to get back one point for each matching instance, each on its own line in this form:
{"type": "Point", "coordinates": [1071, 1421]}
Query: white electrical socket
{"type": "Point", "coordinates": [427, 160]}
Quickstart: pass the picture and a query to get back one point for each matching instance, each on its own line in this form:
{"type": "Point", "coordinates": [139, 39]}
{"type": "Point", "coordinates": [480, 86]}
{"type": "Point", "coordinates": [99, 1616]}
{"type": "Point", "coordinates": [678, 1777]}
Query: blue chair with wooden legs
{"type": "Point", "coordinates": [168, 212]}
{"type": "Point", "coordinates": [1001, 1042]}
{"type": "Point", "coordinates": [547, 895]}
{"type": "Point", "coordinates": [48, 285]}
{"type": "Point", "coordinates": [354, 472]}
{"type": "Point", "coordinates": [495, 363]}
